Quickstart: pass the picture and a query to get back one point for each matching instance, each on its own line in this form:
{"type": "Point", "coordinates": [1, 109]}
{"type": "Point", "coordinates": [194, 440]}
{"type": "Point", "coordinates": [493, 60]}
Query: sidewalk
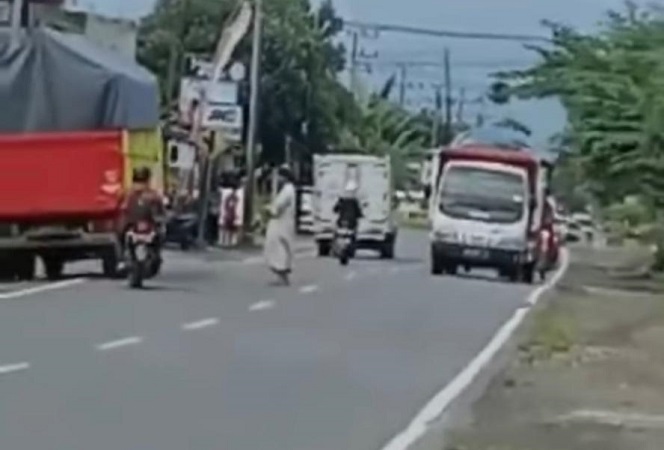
{"type": "Point", "coordinates": [588, 369]}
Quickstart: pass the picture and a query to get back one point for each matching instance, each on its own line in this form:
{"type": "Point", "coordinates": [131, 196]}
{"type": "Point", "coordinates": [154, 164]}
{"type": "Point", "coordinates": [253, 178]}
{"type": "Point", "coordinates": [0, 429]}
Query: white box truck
{"type": "Point", "coordinates": [377, 230]}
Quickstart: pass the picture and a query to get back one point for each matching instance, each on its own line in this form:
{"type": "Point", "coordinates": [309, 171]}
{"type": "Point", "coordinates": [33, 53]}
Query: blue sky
{"type": "Point", "coordinates": [472, 61]}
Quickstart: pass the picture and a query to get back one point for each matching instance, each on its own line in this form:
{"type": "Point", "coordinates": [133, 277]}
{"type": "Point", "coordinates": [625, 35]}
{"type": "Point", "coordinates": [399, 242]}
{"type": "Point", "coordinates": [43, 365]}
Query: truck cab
{"type": "Point", "coordinates": [485, 210]}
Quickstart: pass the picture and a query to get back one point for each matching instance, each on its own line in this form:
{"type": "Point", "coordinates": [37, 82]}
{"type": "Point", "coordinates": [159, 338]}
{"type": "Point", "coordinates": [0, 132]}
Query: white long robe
{"type": "Point", "coordinates": [280, 235]}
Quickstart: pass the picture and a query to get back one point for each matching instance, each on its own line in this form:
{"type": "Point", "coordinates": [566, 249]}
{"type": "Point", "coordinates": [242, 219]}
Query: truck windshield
{"type": "Point", "coordinates": [481, 194]}
{"type": "Point", "coordinates": [491, 135]}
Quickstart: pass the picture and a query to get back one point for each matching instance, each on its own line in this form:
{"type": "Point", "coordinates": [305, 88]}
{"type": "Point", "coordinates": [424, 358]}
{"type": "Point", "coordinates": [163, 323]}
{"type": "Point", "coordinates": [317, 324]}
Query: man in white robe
{"type": "Point", "coordinates": [280, 235]}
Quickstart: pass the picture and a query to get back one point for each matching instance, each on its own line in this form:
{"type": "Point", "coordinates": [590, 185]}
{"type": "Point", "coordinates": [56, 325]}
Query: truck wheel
{"type": "Point", "coordinates": [451, 269]}
{"type": "Point", "coordinates": [54, 267]}
{"type": "Point", "coordinates": [324, 248]}
{"type": "Point", "coordinates": [387, 248]}
{"type": "Point", "coordinates": [437, 264]}
{"type": "Point", "coordinates": [25, 269]}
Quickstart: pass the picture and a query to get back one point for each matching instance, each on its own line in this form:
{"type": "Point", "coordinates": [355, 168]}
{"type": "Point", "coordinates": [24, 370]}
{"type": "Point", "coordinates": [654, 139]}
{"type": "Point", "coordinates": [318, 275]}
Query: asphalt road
{"type": "Point", "coordinates": [213, 357]}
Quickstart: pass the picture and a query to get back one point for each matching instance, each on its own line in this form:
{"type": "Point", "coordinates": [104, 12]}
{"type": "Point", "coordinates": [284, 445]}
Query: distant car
{"type": "Point", "coordinates": [573, 233]}
{"type": "Point", "coordinates": [586, 225]}
{"type": "Point", "coordinates": [560, 226]}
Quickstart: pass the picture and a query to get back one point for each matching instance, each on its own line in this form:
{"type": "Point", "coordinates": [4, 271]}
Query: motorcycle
{"type": "Point", "coordinates": [182, 229]}
{"type": "Point", "coordinates": [343, 244]}
{"type": "Point", "coordinates": [142, 254]}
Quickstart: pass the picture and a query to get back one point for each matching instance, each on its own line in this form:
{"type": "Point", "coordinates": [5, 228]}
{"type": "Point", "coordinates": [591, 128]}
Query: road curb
{"type": "Point", "coordinates": [426, 430]}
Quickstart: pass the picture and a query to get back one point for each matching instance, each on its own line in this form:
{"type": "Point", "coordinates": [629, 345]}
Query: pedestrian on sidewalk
{"type": "Point", "coordinates": [228, 227]}
{"type": "Point", "coordinates": [280, 235]}
{"type": "Point", "coordinates": [214, 211]}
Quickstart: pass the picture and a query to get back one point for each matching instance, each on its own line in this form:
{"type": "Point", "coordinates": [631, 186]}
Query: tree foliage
{"type": "Point", "coordinates": [299, 92]}
{"type": "Point", "coordinates": [612, 86]}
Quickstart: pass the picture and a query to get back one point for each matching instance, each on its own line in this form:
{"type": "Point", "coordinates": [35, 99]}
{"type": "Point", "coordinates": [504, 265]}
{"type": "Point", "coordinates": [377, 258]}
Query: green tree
{"type": "Point", "coordinates": [385, 129]}
{"type": "Point", "coordinates": [300, 95]}
{"type": "Point", "coordinates": [612, 87]}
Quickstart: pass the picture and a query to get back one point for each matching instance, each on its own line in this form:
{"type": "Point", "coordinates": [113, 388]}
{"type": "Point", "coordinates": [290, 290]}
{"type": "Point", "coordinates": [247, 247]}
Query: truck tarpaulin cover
{"type": "Point", "coordinates": [54, 81]}
{"type": "Point", "coordinates": [68, 175]}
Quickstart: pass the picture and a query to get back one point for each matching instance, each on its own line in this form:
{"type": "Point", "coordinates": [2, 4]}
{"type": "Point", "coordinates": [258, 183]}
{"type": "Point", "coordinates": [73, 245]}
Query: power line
{"type": "Point", "coordinates": [378, 27]}
{"type": "Point", "coordinates": [461, 64]}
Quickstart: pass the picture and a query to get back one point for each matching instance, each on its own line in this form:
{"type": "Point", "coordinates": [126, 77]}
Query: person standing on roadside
{"type": "Point", "coordinates": [214, 210]}
{"type": "Point", "coordinates": [229, 228]}
{"type": "Point", "coordinates": [280, 235]}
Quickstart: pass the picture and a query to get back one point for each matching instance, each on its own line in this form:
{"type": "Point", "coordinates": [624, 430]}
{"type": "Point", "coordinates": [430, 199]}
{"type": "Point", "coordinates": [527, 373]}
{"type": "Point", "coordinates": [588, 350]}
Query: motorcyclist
{"type": "Point", "coordinates": [142, 203]}
{"type": "Point", "coordinates": [348, 208]}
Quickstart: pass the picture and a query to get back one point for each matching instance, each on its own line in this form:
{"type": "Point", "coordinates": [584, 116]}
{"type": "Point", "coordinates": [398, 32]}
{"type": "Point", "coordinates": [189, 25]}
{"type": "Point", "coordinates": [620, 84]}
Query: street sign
{"type": "Point", "coordinates": [225, 118]}
{"type": "Point", "coordinates": [190, 94]}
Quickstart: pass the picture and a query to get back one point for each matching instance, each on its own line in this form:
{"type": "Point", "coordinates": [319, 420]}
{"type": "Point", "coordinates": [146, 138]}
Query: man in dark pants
{"type": "Point", "coordinates": [142, 203]}
{"type": "Point", "coordinates": [348, 209]}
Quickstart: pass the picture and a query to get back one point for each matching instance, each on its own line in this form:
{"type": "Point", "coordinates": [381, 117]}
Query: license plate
{"type": "Point", "coordinates": [141, 253]}
{"type": "Point", "coordinates": [474, 253]}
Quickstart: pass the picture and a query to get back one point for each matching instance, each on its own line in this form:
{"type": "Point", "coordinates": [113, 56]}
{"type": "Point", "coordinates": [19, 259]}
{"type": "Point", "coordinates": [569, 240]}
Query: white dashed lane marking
{"type": "Point", "coordinates": [309, 289]}
{"type": "Point", "coordinates": [262, 305]}
{"type": "Point", "coordinates": [10, 368]}
{"type": "Point", "coordinates": [212, 321]}
{"type": "Point", "coordinates": [134, 340]}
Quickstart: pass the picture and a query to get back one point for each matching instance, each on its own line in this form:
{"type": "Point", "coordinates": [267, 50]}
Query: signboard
{"type": "Point", "coordinates": [181, 155]}
{"type": "Point", "coordinates": [225, 118]}
{"type": "Point", "coordinates": [190, 93]}
{"type": "Point", "coordinates": [5, 13]}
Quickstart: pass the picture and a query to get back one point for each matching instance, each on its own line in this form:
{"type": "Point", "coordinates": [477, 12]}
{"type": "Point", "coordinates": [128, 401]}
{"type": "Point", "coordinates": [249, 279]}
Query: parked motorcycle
{"type": "Point", "coordinates": [142, 253]}
{"type": "Point", "coordinates": [343, 244]}
{"type": "Point", "coordinates": [182, 229]}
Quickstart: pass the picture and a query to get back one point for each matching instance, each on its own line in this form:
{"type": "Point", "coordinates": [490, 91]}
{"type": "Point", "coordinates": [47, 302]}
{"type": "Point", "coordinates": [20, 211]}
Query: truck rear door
{"type": "Point", "coordinates": [329, 179]}
{"type": "Point", "coordinates": [374, 194]}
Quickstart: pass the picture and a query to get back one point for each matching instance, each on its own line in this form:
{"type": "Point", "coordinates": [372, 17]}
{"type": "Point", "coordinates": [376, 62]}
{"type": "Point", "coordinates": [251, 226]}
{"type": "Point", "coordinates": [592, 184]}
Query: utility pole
{"type": "Point", "coordinates": [253, 121]}
{"type": "Point", "coordinates": [448, 96]}
{"type": "Point", "coordinates": [17, 19]}
{"type": "Point", "coordinates": [402, 85]}
{"type": "Point", "coordinates": [460, 105]}
{"type": "Point", "coordinates": [435, 132]}
{"type": "Point", "coordinates": [354, 51]}
{"type": "Point", "coordinates": [353, 62]}
{"type": "Point", "coordinates": [176, 51]}
{"type": "Point", "coordinates": [288, 152]}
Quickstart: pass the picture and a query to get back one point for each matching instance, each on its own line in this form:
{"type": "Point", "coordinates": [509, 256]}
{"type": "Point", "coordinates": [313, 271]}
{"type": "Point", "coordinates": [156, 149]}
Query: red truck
{"type": "Point", "coordinates": [486, 210]}
{"type": "Point", "coordinates": [60, 199]}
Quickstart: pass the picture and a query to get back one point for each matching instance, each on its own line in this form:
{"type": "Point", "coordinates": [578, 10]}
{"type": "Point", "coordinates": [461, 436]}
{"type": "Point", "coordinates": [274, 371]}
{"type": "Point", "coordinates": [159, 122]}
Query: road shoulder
{"type": "Point", "coordinates": [587, 369]}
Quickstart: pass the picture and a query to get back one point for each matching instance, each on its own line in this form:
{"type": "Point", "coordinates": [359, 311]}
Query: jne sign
{"type": "Point", "coordinates": [224, 117]}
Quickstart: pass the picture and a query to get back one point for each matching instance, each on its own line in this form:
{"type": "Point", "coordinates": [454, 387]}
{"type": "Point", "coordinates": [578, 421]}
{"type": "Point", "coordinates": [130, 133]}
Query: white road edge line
{"type": "Point", "coordinates": [39, 289]}
{"type": "Point", "coordinates": [204, 323]}
{"type": "Point", "coordinates": [263, 305]}
{"type": "Point", "coordinates": [14, 368]}
{"type": "Point", "coordinates": [120, 343]}
{"type": "Point", "coordinates": [309, 289]}
{"type": "Point", "coordinates": [444, 398]}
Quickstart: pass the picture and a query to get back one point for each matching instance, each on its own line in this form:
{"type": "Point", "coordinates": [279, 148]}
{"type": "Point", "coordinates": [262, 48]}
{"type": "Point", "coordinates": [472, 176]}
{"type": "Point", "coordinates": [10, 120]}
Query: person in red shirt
{"type": "Point", "coordinates": [142, 203]}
